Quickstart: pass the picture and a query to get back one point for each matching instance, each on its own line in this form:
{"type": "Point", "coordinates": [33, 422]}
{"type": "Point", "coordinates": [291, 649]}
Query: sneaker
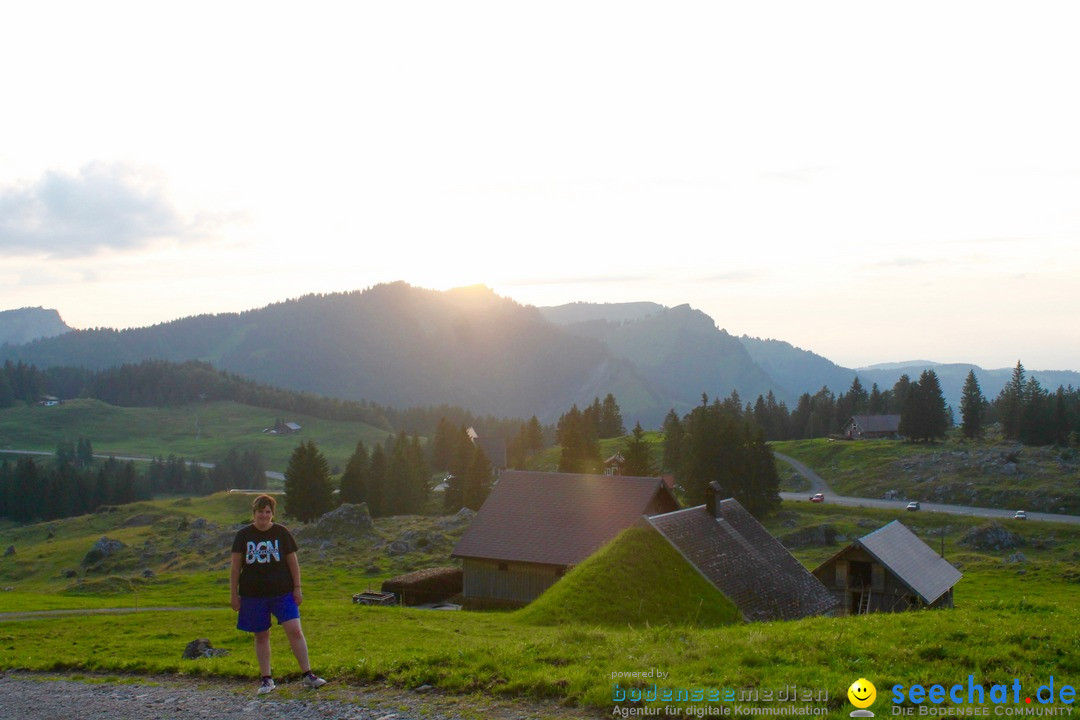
{"type": "Point", "coordinates": [267, 686]}
{"type": "Point", "coordinates": [311, 680]}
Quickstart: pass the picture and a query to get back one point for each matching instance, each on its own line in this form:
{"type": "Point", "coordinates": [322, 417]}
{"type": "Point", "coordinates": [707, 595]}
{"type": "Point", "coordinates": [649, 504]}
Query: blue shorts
{"type": "Point", "coordinates": [255, 612]}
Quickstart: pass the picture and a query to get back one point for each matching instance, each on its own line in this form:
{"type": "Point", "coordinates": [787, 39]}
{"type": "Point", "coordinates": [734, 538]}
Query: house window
{"type": "Point", "coordinates": [503, 567]}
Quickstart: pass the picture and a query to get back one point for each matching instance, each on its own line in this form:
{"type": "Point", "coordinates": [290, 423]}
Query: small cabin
{"type": "Point", "coordinates": [863, 427]}
{"type": "Point", "coordinates": [535, 526]}
{"type": "Point", "coordinates": [888, 570]}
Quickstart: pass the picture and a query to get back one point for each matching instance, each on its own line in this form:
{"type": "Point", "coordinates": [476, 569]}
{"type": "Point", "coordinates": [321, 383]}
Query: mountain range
{"type": "Point", "coordinates": [403, 346]}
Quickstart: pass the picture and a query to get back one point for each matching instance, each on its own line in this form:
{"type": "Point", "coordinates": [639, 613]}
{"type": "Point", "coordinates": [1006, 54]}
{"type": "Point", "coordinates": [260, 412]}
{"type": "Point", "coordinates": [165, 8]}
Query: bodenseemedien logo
{"type": "Point", "coordinates": [862, 694]}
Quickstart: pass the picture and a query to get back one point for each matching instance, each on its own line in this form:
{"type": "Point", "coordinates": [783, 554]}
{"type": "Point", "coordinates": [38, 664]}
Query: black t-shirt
{"type": "Point", "coordinates": [263, 570]}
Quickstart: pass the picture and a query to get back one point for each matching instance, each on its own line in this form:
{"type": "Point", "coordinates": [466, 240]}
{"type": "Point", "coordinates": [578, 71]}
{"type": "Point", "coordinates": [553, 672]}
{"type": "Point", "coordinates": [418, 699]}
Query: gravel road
{"type": "Point", "coordinates": [40, 696]}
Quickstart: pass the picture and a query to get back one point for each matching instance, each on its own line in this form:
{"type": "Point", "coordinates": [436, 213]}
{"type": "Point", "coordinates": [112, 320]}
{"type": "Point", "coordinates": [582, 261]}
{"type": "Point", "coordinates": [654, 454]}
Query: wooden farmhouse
{"type": "Point", "coordinates": [534, 526]}
{"type": "Point", "coordinates": [734, 552]}
{"type": "Point", "coordinates": [861, 427]}
{"type": "Point", "coordinates": [889, 570]}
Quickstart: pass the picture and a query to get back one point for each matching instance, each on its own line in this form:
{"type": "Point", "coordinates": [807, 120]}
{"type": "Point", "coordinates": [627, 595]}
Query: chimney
{"type": "Point", "coordinates": [711, 491]}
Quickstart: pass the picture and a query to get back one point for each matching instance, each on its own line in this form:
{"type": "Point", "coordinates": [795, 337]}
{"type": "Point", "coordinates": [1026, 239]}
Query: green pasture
{"type": "Point", "coordinates": [202, 432]}
{"type": "Point", "coordinates": [986, 473]}
{"type": "Point", "coordinates": [1012, 619]}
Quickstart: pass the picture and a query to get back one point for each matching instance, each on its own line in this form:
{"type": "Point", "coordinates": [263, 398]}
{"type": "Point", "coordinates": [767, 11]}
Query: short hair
{"type": "Point", "coordinates": [263, 501]}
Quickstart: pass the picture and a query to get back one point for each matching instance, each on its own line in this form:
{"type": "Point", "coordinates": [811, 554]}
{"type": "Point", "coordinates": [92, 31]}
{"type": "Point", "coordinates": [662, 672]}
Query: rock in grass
{"type": "Point", "coordinates": [992, 536]}
{"type": "Point", "coordinates": [103, 548]}
{"type": "Point", "coordinates": [202, 649]}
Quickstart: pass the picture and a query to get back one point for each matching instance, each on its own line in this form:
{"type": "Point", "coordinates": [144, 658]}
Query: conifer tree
{"type": "Point", "coordinates": [673, 441]}
{"type": "Point", "coordinates": [308, 492]}
{"type": "Point", "coordinates": [637, 455]}
{"type": "Point", "coordinates": [376, 490]}
{"type": "Point", "coordinates": [354, 481]}
{"type": "Point", "coordinates": [477, 481]}
{"type": "Point", "coordinates": [611, 421]}
{"type": "Point", "coordinates": [972, 407]}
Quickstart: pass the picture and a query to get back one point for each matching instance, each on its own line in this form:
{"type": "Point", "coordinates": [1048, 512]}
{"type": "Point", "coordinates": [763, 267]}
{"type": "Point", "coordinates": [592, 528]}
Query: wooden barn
{"type": "Point", "coordinates": [534, 526]}
{"type": "Point", "coordinates": [733, 551]}
{"type": "Point", "coordinates": [862, 427]}
{"type": "Point", "coordinates": [889, 570]}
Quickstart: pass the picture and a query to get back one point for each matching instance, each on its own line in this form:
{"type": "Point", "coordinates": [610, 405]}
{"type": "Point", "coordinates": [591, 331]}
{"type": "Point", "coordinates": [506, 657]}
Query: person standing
{"type": "Point", "coordinates": [264, 580]}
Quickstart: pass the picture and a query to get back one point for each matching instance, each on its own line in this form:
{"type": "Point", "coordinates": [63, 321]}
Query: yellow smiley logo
{"type": "Point", "coordinates": [862, 693]}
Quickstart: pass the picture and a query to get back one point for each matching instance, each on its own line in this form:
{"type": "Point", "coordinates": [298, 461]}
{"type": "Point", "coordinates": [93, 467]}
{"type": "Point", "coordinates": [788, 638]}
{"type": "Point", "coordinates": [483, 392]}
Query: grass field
{"type": "Point", "coordinates": [204, 432]}
{"type": "Point", "coordinates": [1013, 619]}
{"type": "Point", "coordinates": [986, 473]}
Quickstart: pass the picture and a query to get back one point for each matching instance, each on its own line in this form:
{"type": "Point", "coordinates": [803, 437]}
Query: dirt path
{"type": "Point", "coordinates": [43, 696]}
{"type": "Point", "coordinates": [36, 614]}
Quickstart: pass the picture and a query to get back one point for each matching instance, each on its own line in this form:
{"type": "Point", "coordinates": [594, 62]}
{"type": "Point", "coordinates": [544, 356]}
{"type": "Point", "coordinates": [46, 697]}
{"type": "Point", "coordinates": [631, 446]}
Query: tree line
{"type": "Point", "coordinates": [73, 482]}
{"type": "Point", "coordinates": [1026, 411]}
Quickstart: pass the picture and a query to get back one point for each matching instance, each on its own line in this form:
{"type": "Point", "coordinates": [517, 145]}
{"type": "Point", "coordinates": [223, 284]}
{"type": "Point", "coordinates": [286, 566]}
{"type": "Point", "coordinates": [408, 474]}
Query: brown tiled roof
{"type": "Point", "coordinates": [911, 560]}
{"type": "Point", "coordinates": [745, 562]}
{"type": "Point", "coordinates": [559, 518]}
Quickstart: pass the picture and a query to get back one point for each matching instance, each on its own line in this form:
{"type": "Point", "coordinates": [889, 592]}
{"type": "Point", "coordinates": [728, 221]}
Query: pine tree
{"type": "Point", "coordinates": [477, 481]}
{"type": "Point", "coordinates": [673, 442]}
{"type": "Point", "coordinates": [876, 404]}
{"type": "Point", "coordinates": [376, 491]}
{"type": "Point", "coordinates": [611, 421]}
{"type": "Point", "coordinates": [1010, 403]}
{"type": "Point", "coordinates": [637, 455]}
{"type": "Point", "coordinates": [972, 407]}
{"type": "Point", "coordinates": [308, 492]}
{"type": "Point", "coordinates": [723, 446]}
{"type": "Point", "coordinates": [354, 481]}
{"type": "Point", "coordinates": [580, 451]}
{"type": "Point", "coordinates": [925, 416]}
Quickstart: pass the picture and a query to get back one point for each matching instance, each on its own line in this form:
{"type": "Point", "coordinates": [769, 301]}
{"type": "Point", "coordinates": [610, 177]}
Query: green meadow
{"type": "Point", "coordinates": [203, 432]}
{"type": "Point", "coordinates": [629, 609]}
{"type": "Point", "coordinates": [987, 473]}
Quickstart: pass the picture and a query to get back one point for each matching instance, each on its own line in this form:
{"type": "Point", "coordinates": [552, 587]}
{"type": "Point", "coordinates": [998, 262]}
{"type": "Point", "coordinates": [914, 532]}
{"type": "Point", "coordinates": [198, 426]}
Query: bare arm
{"type": "Point", "coordinates": [294, 568]}
{"type": "Point", "coordinates": [234, 582]}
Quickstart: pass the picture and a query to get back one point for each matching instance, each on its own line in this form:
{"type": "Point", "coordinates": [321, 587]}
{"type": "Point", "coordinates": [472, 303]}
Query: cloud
{"type": "Point", "coordinates": [101, 207]}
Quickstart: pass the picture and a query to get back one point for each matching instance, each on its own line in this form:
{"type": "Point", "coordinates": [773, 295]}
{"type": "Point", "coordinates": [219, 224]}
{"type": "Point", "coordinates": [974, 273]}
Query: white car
{"type": "Point", "coordinates": [1020, 515]}
{"type": "Point", "coordinates": [913, 505]}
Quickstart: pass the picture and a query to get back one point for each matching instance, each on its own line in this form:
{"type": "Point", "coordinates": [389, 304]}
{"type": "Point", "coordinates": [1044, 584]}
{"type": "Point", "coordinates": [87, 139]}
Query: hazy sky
{"type": "Point", "coordinates": [870, 181]}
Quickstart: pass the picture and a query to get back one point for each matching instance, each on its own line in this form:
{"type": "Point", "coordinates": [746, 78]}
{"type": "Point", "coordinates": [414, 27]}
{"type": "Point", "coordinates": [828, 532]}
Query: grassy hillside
{"type": "Point", "coordinates": [989, 473]}
{"type": "Point", "coordinates": [644, 580]}
{"type": "Point", "coordinates": [1017, 613]}
{"type": "Point", "coordinates": [202, 432]}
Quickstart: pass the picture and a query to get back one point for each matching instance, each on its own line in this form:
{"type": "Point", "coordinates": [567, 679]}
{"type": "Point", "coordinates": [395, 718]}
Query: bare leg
{"type": "Point", "coordinates": [262, 651]}
{"type": "Point", "coordinates": [297, 642]}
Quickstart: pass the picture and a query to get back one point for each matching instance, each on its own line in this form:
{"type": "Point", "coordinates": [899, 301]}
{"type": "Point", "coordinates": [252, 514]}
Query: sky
{"type": "Point", "coordinates": [873, 182]}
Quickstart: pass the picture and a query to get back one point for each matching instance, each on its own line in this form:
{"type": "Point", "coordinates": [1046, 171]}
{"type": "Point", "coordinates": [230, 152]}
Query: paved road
{"type": "Point", "coordinates": [818, 485]}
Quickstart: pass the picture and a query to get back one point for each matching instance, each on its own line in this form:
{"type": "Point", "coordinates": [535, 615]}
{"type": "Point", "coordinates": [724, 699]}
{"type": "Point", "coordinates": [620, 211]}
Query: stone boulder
{"type": "Point", "coordinates": [457, 521]}
{"type": "Point", "coordinates": [992, 536]}
{"type": "Point", "coordinates": [813, 536]}
{"type": "Point", "coordinates": [201, 649]}
{"type": "Point", "coordinates": [10, 551]}
{"type": "Point", "coordinates": [102, 549]}
{"type": "Point", "coordinates": [346, 522]}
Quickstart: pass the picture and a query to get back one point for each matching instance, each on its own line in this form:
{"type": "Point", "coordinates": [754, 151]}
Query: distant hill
{"type": "Point", "coordinates": [392, 344]}
{"type": "Point", "coordinates": [402, 346]}
{"type": "Point", "coordinates": [679, 350]}
{"type": "Point", "coordinates": [796, 371]}
{"type": "Point", "coordinates": [26, 324]}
